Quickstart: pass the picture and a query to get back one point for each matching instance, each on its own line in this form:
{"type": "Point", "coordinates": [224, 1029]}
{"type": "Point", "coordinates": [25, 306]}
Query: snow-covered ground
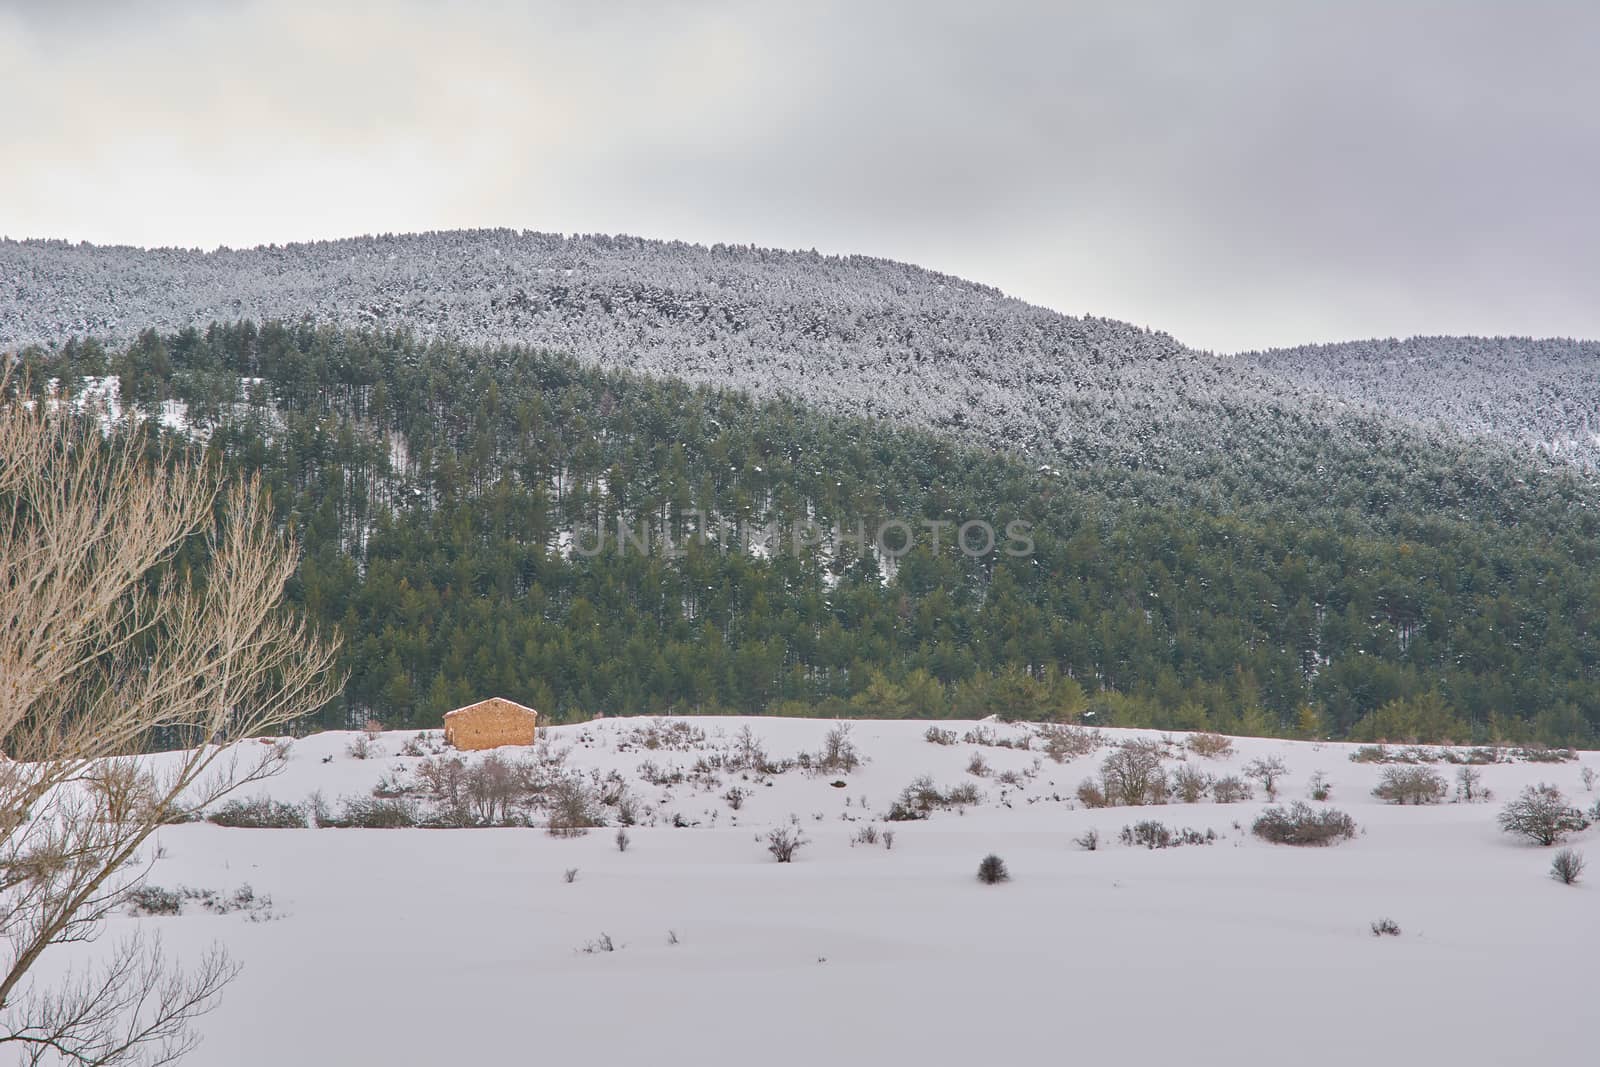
{"type": "Point", "coordinates": [464, 946]}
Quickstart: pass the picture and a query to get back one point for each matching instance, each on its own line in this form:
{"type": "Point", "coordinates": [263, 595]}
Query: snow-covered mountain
{"type": "Point", "coordinates": [853, 335]}
{"type": "Point", "coordinates": [1543, 392]}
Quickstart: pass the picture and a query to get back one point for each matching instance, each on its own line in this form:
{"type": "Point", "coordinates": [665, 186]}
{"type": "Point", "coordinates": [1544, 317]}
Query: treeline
{"type": "Point", "coordinates": [446, 498]}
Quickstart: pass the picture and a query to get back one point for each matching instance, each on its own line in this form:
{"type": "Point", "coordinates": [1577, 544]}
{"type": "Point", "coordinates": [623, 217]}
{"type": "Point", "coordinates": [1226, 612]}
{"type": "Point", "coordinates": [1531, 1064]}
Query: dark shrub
{"type": "Point", "coordinates": [1385, 928]}
{"type": "Point", "coordinates": [362, 813]}
{"type": "Point", "coordinates": [153, 900]}
{"type": "Point", "coordinates": [1568, 866]}
{"type": "Point", "coordinates": [1410, 785]}
{"type": "Point", "coordinates": [992, 870]}
{"type": "Point", "coordinates": [262, 813]}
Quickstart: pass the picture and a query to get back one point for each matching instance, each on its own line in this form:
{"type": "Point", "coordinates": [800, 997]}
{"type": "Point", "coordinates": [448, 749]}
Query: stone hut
{"type": "Point", "coordinates": [490, 724]}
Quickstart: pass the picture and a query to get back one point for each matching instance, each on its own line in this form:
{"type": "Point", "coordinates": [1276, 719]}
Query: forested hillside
{"type": "Point", "coordinates": [847, 335]}
{"type": "Point", "coordinates": [445, 495]}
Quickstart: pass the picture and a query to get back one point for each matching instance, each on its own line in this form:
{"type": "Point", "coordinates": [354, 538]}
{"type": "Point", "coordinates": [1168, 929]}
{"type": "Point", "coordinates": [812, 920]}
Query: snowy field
{"type": "Point", "coordinates": [465, 946]}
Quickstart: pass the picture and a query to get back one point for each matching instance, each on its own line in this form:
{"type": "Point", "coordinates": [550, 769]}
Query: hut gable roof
{"type": "Point", "coordinates": [493, 703]}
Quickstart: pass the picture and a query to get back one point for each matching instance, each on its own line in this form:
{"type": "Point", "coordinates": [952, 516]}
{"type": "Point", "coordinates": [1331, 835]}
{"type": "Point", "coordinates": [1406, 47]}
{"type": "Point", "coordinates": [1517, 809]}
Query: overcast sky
{"type": "Point", "coordinates": [1240, 175]}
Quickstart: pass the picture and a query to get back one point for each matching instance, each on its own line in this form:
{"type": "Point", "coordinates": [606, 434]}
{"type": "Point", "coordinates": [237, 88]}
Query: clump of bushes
{"type": "Point", "coordinates": [1152, 834]}
{"type": "Point", "coordinates": [1132, 775]}
{"type": "Point", "coordinates": [154, 900]}
{"type": "Point", "coordinates": [839, 754]}
{"type": "Point", "coordinates": [1385, 928]}
{"type": "Point", "coordinates": [368, 813]}
{"type": "Point", "coordinates": [922, 797]}
{"type": "Point", "coordinates": [260, 813]}
{"type": "Point", "coordinates": [1267, 772]}
{"type": "Point", "coordinates": [1301, 824]}
{"type": "Point", "coordinates": [1542, 815]}
{"type": "Point", "coordinates": [938, 735]}
{"type": "Point", "coordinates": [1410, 785]}
{"type": "Point", "coordinates": [992, 870]}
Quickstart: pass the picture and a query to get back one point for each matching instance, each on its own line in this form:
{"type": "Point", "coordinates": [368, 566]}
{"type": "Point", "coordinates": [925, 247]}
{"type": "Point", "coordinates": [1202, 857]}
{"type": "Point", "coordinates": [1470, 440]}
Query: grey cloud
{"type": "Point", "coordinates": [1240, 175]}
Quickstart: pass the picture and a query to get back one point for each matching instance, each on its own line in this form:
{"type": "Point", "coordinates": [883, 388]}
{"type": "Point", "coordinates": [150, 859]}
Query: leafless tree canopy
{"type": "Point", "coordinates": [140, 607]}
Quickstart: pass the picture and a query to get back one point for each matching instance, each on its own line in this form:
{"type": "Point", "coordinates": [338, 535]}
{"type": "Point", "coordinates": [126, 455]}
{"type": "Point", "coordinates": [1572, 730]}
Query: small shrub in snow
{"type": "Point", "coordinates": [363, 747]}
{"type": "Point", "coordinates": [888, 840]}
{"type": "Point", "coordinates": [939, 736]}
{"type": "Point", "coordinates": [260, 813]}
{"type": "Point", "coordinates": [992, 870]}
{"type": "Point", "coordinates": [784, 842]}
{"type": "Point", "coordinates": [1587, 776]}
{"type": "Point", "coordinates": [1320, 787]}
{"type": "Point", "coordinates": [603, 943]}
{"type": "Point", "coordinates": [1267, 772]}
{"type": "Point", "coordinates": [1370, 754]}
{"type": "Point", "coordinates": [1189, 784]}
{"type": "Point", "coordinates": [1567, 867]}
{"type": "Point", "coordinates": [1410, 785]}
{"type": "Point", "coordinates": [867, 835]}
{"type": "Point", "coordinates": [1541, 754]}
{"type": "Point", "coordinates": [978, 766]}
{"type": "Point", "coordinates": [1542, 815]}
{"type": "Point", "coordinates": [1385, 928]}
{"type": "Point", "coordinates": [1468, 786]}
{"type": "Point", "coordinates": [1301, 824]}
{"type": "Point", "coordinates": [1231, 789]}
{"type": "Point", "coordinates": [1090, 795]}
{"type": "Point", "coordinates": [1210, 746]}
{"type": "Point", "coordinates": [154, 900]}
{"type": "Point", "coordinates": [736, 797]}
{"type": "Point", "coordinates": [623, 840]}
{"type": "Point", "coordinates": [569, 875]}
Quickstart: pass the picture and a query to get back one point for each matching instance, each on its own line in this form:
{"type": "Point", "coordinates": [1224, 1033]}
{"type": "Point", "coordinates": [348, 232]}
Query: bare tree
{"type": "Point", "coordinates": [140, 607]}
{"type": "Point", "coordinates": [1133, 775]}
{"type": "Point", "coordinates": [1267, 772]}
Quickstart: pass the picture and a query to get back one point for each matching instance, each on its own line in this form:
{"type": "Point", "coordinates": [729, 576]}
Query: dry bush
{"type": "Point", "coordinates": [1567, 866]}
{"type": "Point", "coordinates": [1542, 815]}
{"type": "Point", "coordinates": [992, 870]}
{"type": "Point", "coordinates": [1190, 784]}
{"type": "Point", "coordinates": [623, 840]}
{"type": "Point", "coordinates": [1385, 928]}
{"type": "Point", "coordinates": [1371, 754]}
{"type": "Point", "coordinates": [1410, 785]}
{"type": "Point", "coordinates": [1063, 742]}
{"type": "Point", "coordinates": [839, 754]}
{"type": "Point", "coordinates": [574, 809]}
{"type": "Point", "coordinates": [1152, 835]}
{"type": "Point", "coordinates": [1231, 789]}
{"type": "Point", "coordinates": [1301, 824]}
{"type": "Point", "coordinates": [1089, 840]}
{"type": "Point", "coordinates": [867, 835]}
{"type": "Point", "coordinates": [939, 736]}
{"type": "Point", "coordinates": [1468, 781]}
{"type": "Point", "coordinates": [1319, 787]}
{"type": "Point", "coordinates": [1267, 772]}
{"type": "Point", "coordinates": [784, 841]}
{"type": "Point", "coordinates": [1133, 775]}
{"type": "Point", "coordinates": [979, 766]}
{"type": "Point", "coordinates": [1210, 746]}
{"type": "Point", "coordinates": [1090, 795]}
{"type": "Point", "coordinates": [1587, 776]}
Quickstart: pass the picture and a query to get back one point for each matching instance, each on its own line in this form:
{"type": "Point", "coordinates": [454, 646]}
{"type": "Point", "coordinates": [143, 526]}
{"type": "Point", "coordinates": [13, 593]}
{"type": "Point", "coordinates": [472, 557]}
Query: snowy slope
{"type": "Point", "coordinates": [463, 946]}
